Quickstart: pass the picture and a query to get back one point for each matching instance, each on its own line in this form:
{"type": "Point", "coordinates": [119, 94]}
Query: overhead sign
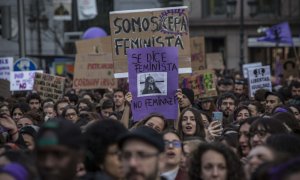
{"type": "Point", "coordinates": [22, 80]}
{"type": "Point", "coordinates": [259, 78]}
{"type": "Point", "coordinates": [250, 65]}
{"type": "Point", "coordinates": [6, 66]}
{"type": "Point", "coordinates": [162, 27]}
{"type": "Point", "coordinates": [24, 64]}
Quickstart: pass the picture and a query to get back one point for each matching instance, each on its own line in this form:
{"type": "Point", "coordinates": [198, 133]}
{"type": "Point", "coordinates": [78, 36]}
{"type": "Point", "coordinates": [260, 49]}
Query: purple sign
{"type": "Point", "coordinates": [153, 80]}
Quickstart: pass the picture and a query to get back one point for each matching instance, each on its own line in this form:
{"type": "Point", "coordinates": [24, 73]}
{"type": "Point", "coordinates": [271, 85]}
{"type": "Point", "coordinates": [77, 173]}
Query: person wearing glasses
{"type": "Point", "coordinates": [142, 153]}
{"type": "Point", "coordinates": [71, 113]}
{"type": "Point", "coordinates": [262, 128]}
{"type": "Point", "coordinates": [174, 154]}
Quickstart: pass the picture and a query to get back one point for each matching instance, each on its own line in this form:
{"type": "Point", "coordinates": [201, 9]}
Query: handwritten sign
{"type": "Point", "coordinates": [153, 77]}
{"type": "Point", "coordinates": [214, 61]}
{"type": "Point", "coordinates": [203, 83]}
{"type": "Point", "coordinates": [6, 66]}
{"type": "Point", "coordinates": [22, 80]}
{"type": "Point", "coordinates": [259, 78]}
{"type": "Point", "coordinates": [49, 86]}
{"type": "Point", "coordinates": [198, 53]}
{"type": "Point", "coordinates": [163, 27]}
{"type": "Point", "coordinates": [94, 71]}
{"type": "Point", "coordinates": [4, 88]}
{"type": "Point", "coordinates": [94, 46]}
{"type": "Point", "coordinates": [250, 65]}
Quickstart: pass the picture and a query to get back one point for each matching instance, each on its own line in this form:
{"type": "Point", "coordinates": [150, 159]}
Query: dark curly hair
{"type": "Point", "coordinates": [233, 164]}
{"type": "Point", "coordinates": [98, 137]}
{"type": "Point", "coordinates": [200, 132]}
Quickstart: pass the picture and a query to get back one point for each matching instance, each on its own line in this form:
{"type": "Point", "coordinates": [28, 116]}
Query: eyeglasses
{"type": "Point", "coordinates": [260, 133]}
{"type": "Point", "coordinates": [175, 144]}
{"type": "Point", "coordinates": [138, 155]}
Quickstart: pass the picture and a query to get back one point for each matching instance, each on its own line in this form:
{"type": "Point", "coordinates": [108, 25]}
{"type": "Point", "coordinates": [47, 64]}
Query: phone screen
{"type": "Point", "coordinates": [217, 116]}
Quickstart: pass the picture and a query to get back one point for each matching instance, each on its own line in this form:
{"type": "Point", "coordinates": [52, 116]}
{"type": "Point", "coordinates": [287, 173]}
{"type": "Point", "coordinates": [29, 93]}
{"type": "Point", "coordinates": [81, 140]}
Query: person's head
{"type": "Point", "coordinates": [239, 88]}
{"type": "Point", "coordinates": [190, 123]}
{"type": "Point", "coordinates": [190, 144]}
{"type": "Point", "coordinates": [25, 121]}
{"type": "Point", "coordinates": [262, 128]}
{"type": "Point", "coordinates": [155, 121]}
{"type": "Point", "coordinates": [70, 113]}
{"type": "Point", "coordinates": [187, 98]}
{"type": "Point", "coordinates": [227, 103]}
{"type": "Point", "coordinates": [89, 96]}
{"type": "Point", "coordinates": [257, 156]}
{"type": "Point", "coordinates": [101, 141]}
{"type": "Point", "coordinates": [289, 120]}
{"type": "Point", "coordinates": [29, 133]}
{"type": "Point", "coordinates": [47, 101]}
{"type": "Point", "coordinates": [230, 139]}
{"type": "Point", "coordinates": [119, 98]}
{"type": "Point", "coordinates": [60, 105]}
{"type": "Point", "coordinates": [289, 170]}
{"type": "Point", "coordinates": [107, 108]}
{"type": "Point", "coordinates": [19, 109]}
{"type": "Point", "coordinates": [295, 88]}
{"type": "Point", "coordinates": [215, 161]}
{"type": "Point", "coordinates": [142, 151]}
{"type": "Point", "coordinates": [272, 100]}
{"type": "Point", "coordinates": [173, 149]}
{"type": "Point", "coordinates": [206, 119]}
{"type": "Point", "coordinates": [59, 146]}
{"type": "Point", "coordinates": [296, 111]}
{"type": "Point", "coordinates": [84, 105]}
{"type": "Point", "coordinates": [4, 109]}
{"type": "Point", "coordinates": [256, 108]}
{"type": "Point", "coordinates": [244, 129]}
{"type": "Point", "coordinates": [34, 101]}
{"type": "Point", "coordinates": [225, 85]}
{"type": "Point", "coordinates": [259, 96]}
{"type": "Point", "coordinates": [206, 104]}
{"type": "Point", "coordinates": [241, 113]}
{"type": "Point", "coordinates": [49, 111]}
{"type": "Point", "coordinates": [72, 97]}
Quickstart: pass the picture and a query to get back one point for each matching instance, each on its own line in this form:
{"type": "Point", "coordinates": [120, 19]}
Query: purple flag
{"type": "Point", "coordinates": [153, 81]}
{"type": "Point", "coordinates": [279, 33]}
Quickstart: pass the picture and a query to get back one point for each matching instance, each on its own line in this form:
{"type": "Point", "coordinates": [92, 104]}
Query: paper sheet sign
{"type": "Point", "coordinates": [94, 71]}
{"type": "Point", "coordinates": [49, 86]}
{"type": "Point", "coordinates": [259, 78]}
{"type": "Point", "coordinates": [153, 77]}
{"type": "Point", "coordinates": [162, 27]}
{"type": "Point", "coordinates": [94, 46]}
{"type": "Point", "coordinates": [22, 80]}
{"type": "Point", "coordinates": [198, 53]}
{"type": "Point", "coordinates": [6, 66]}
{"type": "Point", "coordinates": [203, 83]}
{"type": "Point", "coordinates": [214, 61]}
{"type": "Point", "coordinates": [250, 65]}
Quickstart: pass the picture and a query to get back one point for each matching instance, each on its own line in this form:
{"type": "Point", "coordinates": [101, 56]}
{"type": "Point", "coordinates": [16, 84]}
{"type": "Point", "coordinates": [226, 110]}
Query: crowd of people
{"type": "Point", "coordinates": [90, 134]}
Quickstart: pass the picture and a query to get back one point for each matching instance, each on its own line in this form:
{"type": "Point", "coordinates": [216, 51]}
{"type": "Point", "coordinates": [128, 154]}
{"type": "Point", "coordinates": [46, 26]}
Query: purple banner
{"type": "Point", "coordinates": [153, 80]}
{"type": "Point", "coordinates": [279, 33]}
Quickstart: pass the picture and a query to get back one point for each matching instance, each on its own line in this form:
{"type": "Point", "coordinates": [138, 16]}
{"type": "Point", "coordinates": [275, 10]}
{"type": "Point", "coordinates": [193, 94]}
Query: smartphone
{"type": "Point", "coordinates": [217, 116]}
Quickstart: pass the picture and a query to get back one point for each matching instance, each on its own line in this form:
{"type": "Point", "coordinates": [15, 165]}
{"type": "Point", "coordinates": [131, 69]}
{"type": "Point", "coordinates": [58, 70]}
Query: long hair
{"type": "Point", "coordinates": [200, 132]}
{"type": "Point", "coordinates": [233, 164]}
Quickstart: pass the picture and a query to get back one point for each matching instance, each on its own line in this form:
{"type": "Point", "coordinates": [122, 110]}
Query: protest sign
{"type": "Point", "coordinates": [198, 53]}
{"type": "Point", "coordinates": [6, 66]}
{"type": "Point", "coordinates": [94, 71]}
{"type": "Point", "coordinates": [98, 45]}
{"type": "Point", "coordinates": [87, 9]}
{"type": "Point", "coordinates": [24, 64]}
{"type": "Point", "coordinates": [259, 78]}
{"type": "Point", "coordinates": [49, 86]}
{"type": "Point", "coordinates": [153, 77]}
{"type": "Point", "coordinates": [22, 80]}
{"type": "Point", "coordinates": [203, 83]}
{"type": "Point", "coordinates": [214, 61]}
{"type": "Point", "coordinates": [162, 27]}
{"type": "Point", "coordinates": [250, 65]}
{"type": "Point", "coordinates": [4, 88]}
{"type": "Point", "coordinates": [62, 9]}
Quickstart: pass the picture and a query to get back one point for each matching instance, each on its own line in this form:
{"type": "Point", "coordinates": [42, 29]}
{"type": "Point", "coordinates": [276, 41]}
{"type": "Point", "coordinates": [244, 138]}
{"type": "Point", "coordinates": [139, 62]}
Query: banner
{"type": "Point", "coordinates": [6, 66]}
{"type": "Point", "coordinates": [203, 83]}
{"type": "Point", "coordinates": [153, 77]}
{"type": "Point", "coordinates": [62, 10]}
{"type": "Point", "coordinates": [87, 9]}
{"type": "Point", "coordinates": [279, 33]}
{"type": "Point", "coordinates": [250, 65]}
{"type": "Point", "coordinates": [198, 53]}
{"type": "Point", "coordinates": [162, 27]}
{"type": "Point", "coordinates": [259, 78]}
{"type": "Point", "coordinates": [214, 61]}
{"type": "Point", "coordinates": [22, 80]}
{"type": "Point", "coordinates": [94, 71]}
{"type": "Point", "coordinates": [49, 86]}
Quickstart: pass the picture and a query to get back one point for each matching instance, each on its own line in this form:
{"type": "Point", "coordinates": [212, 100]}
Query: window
{"type": "Point", "coordinates": [214, 8]}
{"type": "Point", "coordinates": [268, 7]}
